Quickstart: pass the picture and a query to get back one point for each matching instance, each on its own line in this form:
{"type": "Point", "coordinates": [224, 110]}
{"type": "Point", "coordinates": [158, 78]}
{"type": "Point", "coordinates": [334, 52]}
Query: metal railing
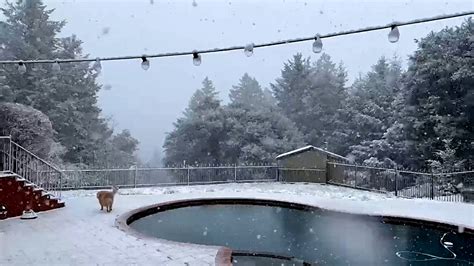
{"type": "Point", "coordinates": [141, 177]}
{"type": "Point", "coordinates": [18, 160]}
{"type": "Point", "coordinates": [440, 186]}
{"type": "Point", "coordinates": [456, 186]}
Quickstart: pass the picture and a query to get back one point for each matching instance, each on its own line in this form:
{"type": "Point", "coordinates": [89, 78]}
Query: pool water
{"type": "Point", "coordinates": [308, 236]}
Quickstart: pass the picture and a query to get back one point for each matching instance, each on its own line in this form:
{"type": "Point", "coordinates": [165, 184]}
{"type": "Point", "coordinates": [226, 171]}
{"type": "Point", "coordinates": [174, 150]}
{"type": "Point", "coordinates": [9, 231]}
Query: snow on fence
{"type": "Point", "coordinates": [140, 177]}
{"type": "Point", "coordinates": [454, 186]}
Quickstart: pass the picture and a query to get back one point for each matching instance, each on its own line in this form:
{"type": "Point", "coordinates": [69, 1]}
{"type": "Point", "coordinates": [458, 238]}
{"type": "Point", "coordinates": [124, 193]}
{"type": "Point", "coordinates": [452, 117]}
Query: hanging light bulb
{"type": "Point", "coordinates": [317, 44]}
{"type": "Point", "coordinates": [196, 58]}
{"type": "Point", "coordinates": [56, 67]}
{"type": "Point", "coordinates": [97, 66]}
{"type": "Point", "coordinates": [248, 50]}
{"type": "Point", "coordinates": [145, 63]}
{"type": "Point", "coordinates": [394, 34]}
{"type": "Point", "coordinates": [21, 67]}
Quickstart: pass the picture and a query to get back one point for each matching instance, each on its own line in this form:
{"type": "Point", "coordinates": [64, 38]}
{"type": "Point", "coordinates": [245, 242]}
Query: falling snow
{"type": "Point", "coordinates": [105, 30]}
{"type": "Point", "coordinates": [81, 213]}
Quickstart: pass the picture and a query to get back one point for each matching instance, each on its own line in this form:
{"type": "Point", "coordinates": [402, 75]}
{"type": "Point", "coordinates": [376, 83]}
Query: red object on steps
{"type": "Point", "coordinates": [18, 195]}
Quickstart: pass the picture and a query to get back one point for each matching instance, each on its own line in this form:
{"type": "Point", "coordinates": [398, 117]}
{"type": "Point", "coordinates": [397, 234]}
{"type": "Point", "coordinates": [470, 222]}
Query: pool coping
{"type": "Point", "coordinates": [224, 254]}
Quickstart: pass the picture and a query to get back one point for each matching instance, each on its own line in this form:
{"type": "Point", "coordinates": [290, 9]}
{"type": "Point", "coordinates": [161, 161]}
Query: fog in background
{"type": "Point", "coordinates": [148, 102]}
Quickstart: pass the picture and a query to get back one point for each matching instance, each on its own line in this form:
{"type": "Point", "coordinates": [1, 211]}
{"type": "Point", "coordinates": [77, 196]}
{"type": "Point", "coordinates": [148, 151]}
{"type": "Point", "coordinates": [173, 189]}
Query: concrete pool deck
{"type": "Point", "coordinates": [80, 234]}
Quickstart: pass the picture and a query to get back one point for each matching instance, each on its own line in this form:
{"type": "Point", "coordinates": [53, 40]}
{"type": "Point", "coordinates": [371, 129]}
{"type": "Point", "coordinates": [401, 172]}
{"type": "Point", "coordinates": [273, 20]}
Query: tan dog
{"type": "Point", "coordinates": [106, 198]}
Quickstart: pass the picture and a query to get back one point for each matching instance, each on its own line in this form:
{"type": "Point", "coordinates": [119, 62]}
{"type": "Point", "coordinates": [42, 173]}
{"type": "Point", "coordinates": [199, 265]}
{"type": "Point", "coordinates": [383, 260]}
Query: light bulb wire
{"type": "Point", "coordinates": [240, 47]}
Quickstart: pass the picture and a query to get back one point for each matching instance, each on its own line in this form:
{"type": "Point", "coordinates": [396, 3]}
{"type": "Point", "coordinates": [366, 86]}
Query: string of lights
{"type": "Point", "coordinates": [393, 36]}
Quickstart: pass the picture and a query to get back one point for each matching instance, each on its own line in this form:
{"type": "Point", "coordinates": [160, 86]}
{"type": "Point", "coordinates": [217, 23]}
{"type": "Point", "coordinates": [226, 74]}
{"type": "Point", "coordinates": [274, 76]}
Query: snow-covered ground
{"type": "Point", "coordinates": [80, 234]}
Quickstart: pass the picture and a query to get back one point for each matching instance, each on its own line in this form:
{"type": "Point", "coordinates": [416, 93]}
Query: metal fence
{"type": "Point", "coordinates": [16, 159]}
{"type": "Point", "coordinates": [457, 186]}
{"type": "Point", "coordinates": [439, 186]}
{"type": "Point", "coordinates": [141, 177]}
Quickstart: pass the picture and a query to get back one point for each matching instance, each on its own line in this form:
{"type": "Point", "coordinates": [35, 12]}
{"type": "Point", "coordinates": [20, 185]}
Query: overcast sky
{"type": "Point", "coordinates": [148, 102]}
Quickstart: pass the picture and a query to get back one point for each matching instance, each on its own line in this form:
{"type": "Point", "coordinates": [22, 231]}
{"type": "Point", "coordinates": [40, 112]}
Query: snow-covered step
{"type": "Point", "coordinates": [19, 194]}
{"type": "Point", "coordinates": [7, 174]}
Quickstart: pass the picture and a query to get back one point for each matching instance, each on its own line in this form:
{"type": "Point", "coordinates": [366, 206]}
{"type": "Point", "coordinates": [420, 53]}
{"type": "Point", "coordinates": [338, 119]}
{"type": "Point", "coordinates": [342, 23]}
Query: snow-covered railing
{"type": "Point", "coordinates": [141, 177]}
{"type": "Point", "coordinates": [439, 186]}
{"type": "Point", "coordinates": [17, 160]}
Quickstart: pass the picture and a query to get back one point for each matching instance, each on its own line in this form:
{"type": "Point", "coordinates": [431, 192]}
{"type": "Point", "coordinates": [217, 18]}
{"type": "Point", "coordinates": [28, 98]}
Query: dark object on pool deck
{"type": "Point", "coordinates": [307, 234]}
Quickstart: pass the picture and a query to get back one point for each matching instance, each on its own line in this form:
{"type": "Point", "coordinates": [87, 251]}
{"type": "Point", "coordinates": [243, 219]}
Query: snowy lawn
{"type": "Point", "coordinates": [80, 234]}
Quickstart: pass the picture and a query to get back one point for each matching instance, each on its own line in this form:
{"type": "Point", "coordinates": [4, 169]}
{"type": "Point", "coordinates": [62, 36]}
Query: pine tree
{"type": "Point", "coordinates": [440, 82]}
{"type": "Point", "coordinates": [311, 96]}
{"type": "Point", "coordinates": [446, 161]}
{"type": "Point", "coordinates": [257, 131]}
{"type": "Point", "coordinates": [375, 108]}
{"type": "Point", "coordinates": [198, 136]}
{"type": "Point", "coordinates": [68, 98]}
{"type": "Point", "coordinates": [291, 88]}
{"type": "Point", "coordinates": [121, 153]}
{"type": "Point", "coordinates": [323, 102]}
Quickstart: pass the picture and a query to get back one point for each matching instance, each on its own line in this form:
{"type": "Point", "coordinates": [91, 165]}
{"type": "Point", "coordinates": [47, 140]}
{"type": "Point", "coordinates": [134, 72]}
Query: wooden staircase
{"type": "Point", "coordinates": [26, 181]}
{"type": "Point", "coordinates": [17, 195]}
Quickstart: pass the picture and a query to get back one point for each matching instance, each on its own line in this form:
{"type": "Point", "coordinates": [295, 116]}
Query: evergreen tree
{"type": "Point", "coordinates": [446, 161]}
{"type": "Point", "coordinates": [119, 151]}
{"type": "Point", "coordinates": [375, 123]}
{"type": "Point", "coordinates": [291, 88]}
{"type": "Point", "coordinates": [440, 82]}
{"type": "Point", "coordinates": [198, 137]}
{"type": "Point", "coordinates": [257, 131]}
{"type": "Point", "coordinates": [311, 96]}
{"type": "Point", "coordinates": [323, 102]}
{"type": "Point", "coordinates": [68, 98]}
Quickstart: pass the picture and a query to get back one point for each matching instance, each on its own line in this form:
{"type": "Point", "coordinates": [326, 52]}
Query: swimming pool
{"type": "Point", "coordinates": [268, 232]}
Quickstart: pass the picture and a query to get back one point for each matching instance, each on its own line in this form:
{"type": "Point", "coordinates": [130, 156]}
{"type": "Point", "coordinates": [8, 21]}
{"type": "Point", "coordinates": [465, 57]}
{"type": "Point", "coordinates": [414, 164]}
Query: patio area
{"type": "Point", "coordinates": [80, 234]}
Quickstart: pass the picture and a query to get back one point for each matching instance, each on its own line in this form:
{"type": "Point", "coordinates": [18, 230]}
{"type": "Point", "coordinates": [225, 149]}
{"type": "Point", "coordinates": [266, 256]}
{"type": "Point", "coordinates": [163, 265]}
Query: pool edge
{"type": "Point", "coordinates": [224, 254]}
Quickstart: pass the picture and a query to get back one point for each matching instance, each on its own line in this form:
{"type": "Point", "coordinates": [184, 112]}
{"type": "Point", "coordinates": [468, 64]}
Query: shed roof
{"type": "Point", "coordinates": [310, 148]}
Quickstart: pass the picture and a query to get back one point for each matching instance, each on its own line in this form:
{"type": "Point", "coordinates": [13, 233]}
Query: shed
{"type": "Point", "coordinates": [306, 164]}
